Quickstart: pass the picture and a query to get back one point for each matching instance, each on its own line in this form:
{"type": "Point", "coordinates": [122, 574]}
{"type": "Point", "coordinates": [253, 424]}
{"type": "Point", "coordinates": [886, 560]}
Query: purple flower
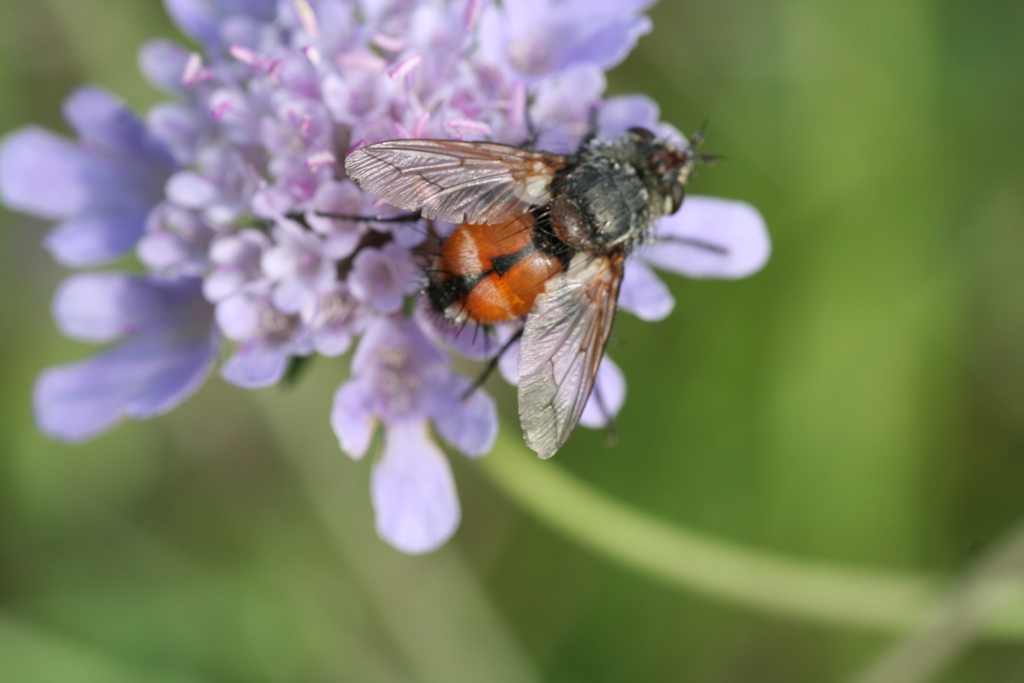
{"type": "Point", "coordinates": [538, 37]}
{"type": "Point", "coordinates": [218, 22]}
{"type": "Point", "coordinates": [381, 278]}
{"type": "Point", "coordinates": [403, 382]}
{"type": "Point", "coordinates": [233, 195]}
{"type": "Point", "coordinates": [101, 189]}
{"type": "Point", "coordinates": [167, 347]}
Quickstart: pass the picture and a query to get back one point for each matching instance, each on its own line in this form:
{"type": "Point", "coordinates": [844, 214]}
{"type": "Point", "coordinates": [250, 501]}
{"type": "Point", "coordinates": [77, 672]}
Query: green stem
{"type": "Point", "coordinates": [957, 621]}
{"type": "Point", "coordinates": [773, 583]}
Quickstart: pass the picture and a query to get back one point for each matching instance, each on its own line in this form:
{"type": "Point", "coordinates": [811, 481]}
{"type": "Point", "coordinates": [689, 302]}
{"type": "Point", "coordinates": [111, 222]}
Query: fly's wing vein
{"type": "Point", "coordinates": [475, 182]}
{"type": "Point", "coordinates": [563, 343]}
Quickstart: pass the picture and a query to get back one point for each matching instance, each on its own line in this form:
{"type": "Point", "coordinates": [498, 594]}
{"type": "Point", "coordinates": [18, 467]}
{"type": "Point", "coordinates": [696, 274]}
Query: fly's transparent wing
{"type": "Point", "coordinates": [563, 343]}
{"type": "Point", "coordinates": [458, 182]}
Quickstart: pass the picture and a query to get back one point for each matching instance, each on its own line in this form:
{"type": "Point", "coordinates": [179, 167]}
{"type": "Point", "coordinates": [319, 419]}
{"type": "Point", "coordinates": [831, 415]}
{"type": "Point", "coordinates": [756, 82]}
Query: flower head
{"type": "Point", "coordinates": [402, 381]}
{"type": "Point", "coordinates": [234, 196]}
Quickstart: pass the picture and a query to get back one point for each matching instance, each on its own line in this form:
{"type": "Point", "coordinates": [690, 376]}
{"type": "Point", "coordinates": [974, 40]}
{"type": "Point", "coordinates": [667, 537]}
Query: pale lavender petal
{"type": "Point", "coordinates": [202, 18]}
{"type": "Point", "coordinates": [352, 417]}
{"type": "Point", "coordinates": [291, 296]}
{"type": "Point", "coordinates": [413, 490]}
{"type": "Point", "coordinates": [106, 125]}
{"type": "Point", "coordinates": [191, 190]}
{"type": "Point", "coordinates": [508, 364]}
{"type": "Point", "coordinates": [101, 307]}
{"type": "Point", "coordinates": [178, 127]}
{"type": "Point", "coordinates": [163, 64]}
{"type": "Point", "coordinates": [643, 293]}
{"type": "Point", "coordinates": [469, 423]}
{"type": "Point", "coordinates": [541, 38]}
{"type": "Point", "coordinates": [238, 317]}
{"type": "Point", "coordinates": [195, 17]}
{"type": "Point", "coordinates": [381, 278]}
{"type": "Point", "coordinates": [731, 239]}
{"type": "Point", "coordinates": [40, 174]}
{"type": "Point", "coordinates": [332, 341]}
{"type": "Point", "coordinates": [608, 396]}
{"type": "Point", "coordinates": [146, 376]}
{"type": "Point", "coordinates": [92, 239]}
{"type": "Point", "coordinates": [224, 282]}
{"type": "Point", "coordinates": [619, 114]}
{"type": "Point", "coordinates": [604, 39]}
{"type": "Point", "coordinates": [104, 187]}
{"type": "Point", "coordinates": [408, 235]}
{"type": "Point", "coordinates": [564, 102]}
{"type": "Point", "coordinates": [255, 364]}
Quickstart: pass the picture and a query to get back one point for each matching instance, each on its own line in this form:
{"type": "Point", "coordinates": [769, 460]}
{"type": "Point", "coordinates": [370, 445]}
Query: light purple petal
{"type": "Point", "coordinates": [608, 396]}
{"type": "Point", "coordinates": [255, 365]}
{"type": "Point", "coordinates": [93, 239]}
{"type": "Point", "coordinates": [178, 127]}
{"type": "Point", "coordinates": [238, 317]}
{"type": "Point", "coordinates": [163, 63]}
{"type": "Point", "coordinates": [291, 296]}
{"type": "Point", "coordinates": [40, 174]}
{"type": "Point", "coordinates": [619, 114]}
{"type": "Point", "coordinates": [352, 417]}
{"type": "Point", "coordinates": [540, 38]}
{"type": "Point", "coordinates": [195, 17]}
{"type": "Point", "coordinates": [610, 32]}
{"type": "Point", "coordinates": [101, 307]}
{"type": "Point", "coordinates": [470, 424]}
{"type": "Point", "coordinates": [143, 377]}
{"type": "Point", "coordinates": [413, 491]}
{"type": "Point", "coordinates": [733, 236]}
{"type": "Point", "coordinates": [332, 341]}
{"type": "Point", "coordinates": [508, 364]}
{"type": "Point", "coordinates": [202, 18]}
{"type": "Point", "coordinates": [381, 278]}
{"type": "Point", "coordinates": [564, 102]}
{"type": "Point", "coordinates": [191, 190]}
{"type": "Point", "coordinates": [106, 125]}
{"type": "Point", "coordinates": [643, 294]}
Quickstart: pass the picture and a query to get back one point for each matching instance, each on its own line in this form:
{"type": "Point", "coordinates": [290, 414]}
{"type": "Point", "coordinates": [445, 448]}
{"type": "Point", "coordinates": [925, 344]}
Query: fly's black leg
{"type": "Point", "coordinates": [400, 218]}
{"type": "Point", "coordinates": [696, 244]}
{"type": "Point", "coordinates": [493, 363]}
{"type": "Point", "coordinates": [532, 132]}
{"type": "Point", "coordinates": [593, 117]}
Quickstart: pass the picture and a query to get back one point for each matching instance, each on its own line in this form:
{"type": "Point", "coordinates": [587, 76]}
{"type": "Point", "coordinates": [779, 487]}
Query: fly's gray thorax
{"type": "Point", "coordinates": [612, 201]}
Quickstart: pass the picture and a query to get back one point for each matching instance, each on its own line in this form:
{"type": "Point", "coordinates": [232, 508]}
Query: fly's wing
{"type": "Point", "coordinates": [458, 182]}
{"type": "Point", "coordinates": [563, 343]}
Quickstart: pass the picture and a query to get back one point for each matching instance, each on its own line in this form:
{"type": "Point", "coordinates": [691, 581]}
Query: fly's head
{"type": "Point", "coordinates": [669, 167]}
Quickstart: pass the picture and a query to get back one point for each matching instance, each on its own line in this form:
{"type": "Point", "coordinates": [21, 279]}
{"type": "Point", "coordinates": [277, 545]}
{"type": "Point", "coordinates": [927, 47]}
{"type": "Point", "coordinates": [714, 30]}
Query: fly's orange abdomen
{"type": "Point", "coordinates": [490, 273]}
{"type": "Point", "coordinates": [500, 297]}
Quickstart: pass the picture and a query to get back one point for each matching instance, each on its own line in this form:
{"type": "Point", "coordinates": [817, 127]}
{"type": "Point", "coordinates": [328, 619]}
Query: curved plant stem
{"type": "Point", "coordinates": [773, 583]}
{"type": "Point", "coordinates": [956, 621]}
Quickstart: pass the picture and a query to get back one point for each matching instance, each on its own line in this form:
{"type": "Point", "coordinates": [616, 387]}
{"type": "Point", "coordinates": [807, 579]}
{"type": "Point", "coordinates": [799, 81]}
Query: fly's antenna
{"type": "Point", "coordinates": [693, 156]}
{"type": "Point", "coordinates": [698, 137]}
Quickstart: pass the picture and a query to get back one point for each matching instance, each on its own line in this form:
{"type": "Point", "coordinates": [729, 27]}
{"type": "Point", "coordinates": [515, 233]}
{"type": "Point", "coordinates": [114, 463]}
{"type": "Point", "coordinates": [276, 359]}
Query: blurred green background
{"type": "Point", "coordinates": [860, 402]}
